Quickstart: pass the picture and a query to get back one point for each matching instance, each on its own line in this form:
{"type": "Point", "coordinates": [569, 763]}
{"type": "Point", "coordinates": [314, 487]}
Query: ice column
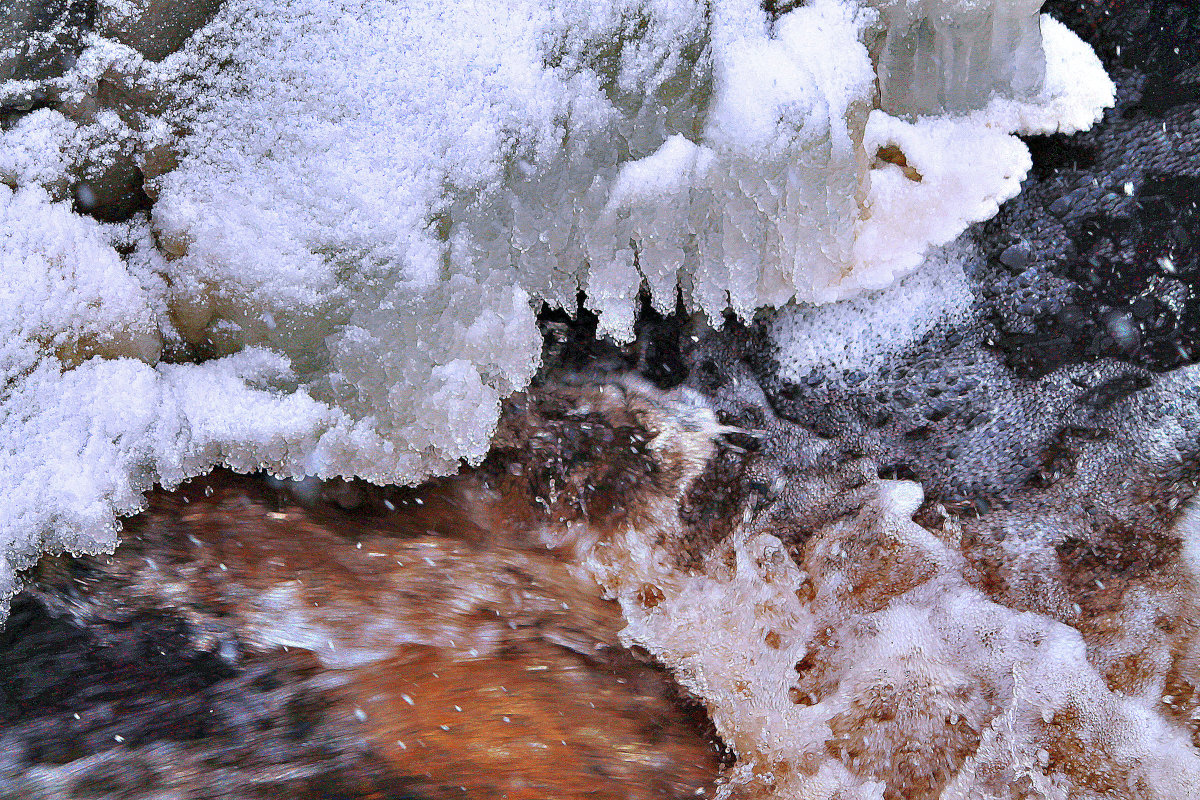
{"type": "Point", "coordinates": [938, 56]}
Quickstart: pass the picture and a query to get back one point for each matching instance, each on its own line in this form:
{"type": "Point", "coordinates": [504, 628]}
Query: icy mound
{"type": "Point", "coordinates": [348, 208]}
{"type": "Point", "coordinates": [670, 161]}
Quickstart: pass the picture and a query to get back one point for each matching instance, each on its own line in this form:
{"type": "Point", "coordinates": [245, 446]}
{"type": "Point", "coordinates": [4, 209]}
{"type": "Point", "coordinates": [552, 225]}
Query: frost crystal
{"type": "Point", "coordinates": [354, 204]}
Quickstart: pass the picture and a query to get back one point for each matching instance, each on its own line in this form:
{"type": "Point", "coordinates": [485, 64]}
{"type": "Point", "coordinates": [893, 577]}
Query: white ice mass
{"type": "Point", "coordinates": [358, 204]}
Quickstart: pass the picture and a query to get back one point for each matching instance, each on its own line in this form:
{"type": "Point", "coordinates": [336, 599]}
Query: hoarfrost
{"type": "Point", "coordinates": [354, 204]}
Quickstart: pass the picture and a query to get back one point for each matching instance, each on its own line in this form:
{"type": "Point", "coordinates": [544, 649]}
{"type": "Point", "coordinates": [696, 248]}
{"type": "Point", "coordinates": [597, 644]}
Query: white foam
{"type": "Point", "coordinates": [891, 673]}
{"type": "Point", "coordinates": [861, 332]}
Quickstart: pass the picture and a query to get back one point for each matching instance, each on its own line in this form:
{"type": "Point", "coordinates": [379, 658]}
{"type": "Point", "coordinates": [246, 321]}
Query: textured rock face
{"type": "Point", "coordinates": [155, 28]}
{"type": "Point", "coordinates": [39, 39]}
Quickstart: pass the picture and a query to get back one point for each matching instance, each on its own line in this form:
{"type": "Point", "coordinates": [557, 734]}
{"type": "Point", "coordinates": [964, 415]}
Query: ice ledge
{"type": "Point", "coordinates": [936, 175]}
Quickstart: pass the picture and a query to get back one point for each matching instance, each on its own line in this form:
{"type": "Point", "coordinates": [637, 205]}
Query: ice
{"type": "Point", "coordinates": [375, 196]}
{"type": "Point", "coordinates": [66, 290]}
{"type": "Point", "coordinates": [938, 56]}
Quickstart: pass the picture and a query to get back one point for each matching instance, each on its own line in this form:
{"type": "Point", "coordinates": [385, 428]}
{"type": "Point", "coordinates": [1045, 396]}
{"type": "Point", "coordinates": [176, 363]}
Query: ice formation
{"type": "Point", "coordinates": [936, 56]}
{"type": "Point", "coordinates": [340, 213]}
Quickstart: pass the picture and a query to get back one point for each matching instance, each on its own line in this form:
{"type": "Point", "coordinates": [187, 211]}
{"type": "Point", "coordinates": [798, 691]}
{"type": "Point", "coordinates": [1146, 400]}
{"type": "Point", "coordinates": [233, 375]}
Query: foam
{"type": "Point", "coordinates": [861, 663]}
{"type": "Point", "coordinates": [861, 332]}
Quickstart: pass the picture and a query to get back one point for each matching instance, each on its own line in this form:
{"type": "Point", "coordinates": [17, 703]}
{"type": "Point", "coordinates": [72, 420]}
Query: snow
{"type": "Point", "coordinates": [357, 205]}
{"type": "Point", "coordinates": [66, 290]}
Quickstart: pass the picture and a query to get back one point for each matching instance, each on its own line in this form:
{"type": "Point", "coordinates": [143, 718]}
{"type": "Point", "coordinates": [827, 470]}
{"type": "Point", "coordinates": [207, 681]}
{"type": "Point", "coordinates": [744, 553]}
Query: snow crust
{"type": "Point", "coordinates": [357, 205]}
